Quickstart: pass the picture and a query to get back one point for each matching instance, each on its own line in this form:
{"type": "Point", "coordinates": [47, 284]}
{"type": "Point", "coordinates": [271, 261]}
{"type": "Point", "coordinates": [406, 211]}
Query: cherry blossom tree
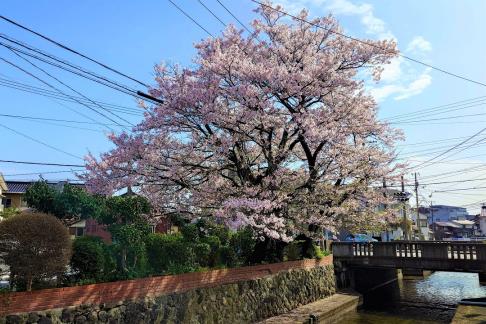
{"type": "Point", "coordinates": [274, 130]}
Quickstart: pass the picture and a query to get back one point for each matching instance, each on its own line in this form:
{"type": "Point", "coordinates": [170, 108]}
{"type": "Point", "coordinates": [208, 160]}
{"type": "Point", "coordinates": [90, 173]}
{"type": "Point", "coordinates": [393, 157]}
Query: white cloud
{"type": "Point", "coordinates": [373, 24]}
{"type": "Point", "coordinates": [401, 92]}
{"type": "Point", "coordinates": [393, 71]}
{"type": "Point", "coordinates": [419, 44]}
{"type": "Point", "coordinates": [416, 87]}
{"type": "Point", "coordinates": [399, 79]}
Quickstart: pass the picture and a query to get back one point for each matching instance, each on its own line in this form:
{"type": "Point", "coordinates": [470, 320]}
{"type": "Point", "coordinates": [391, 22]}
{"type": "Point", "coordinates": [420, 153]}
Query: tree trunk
{"type": "Point", "coordinates": [124, 259]}
{"type": "Point", "coordinates": [29, 283]}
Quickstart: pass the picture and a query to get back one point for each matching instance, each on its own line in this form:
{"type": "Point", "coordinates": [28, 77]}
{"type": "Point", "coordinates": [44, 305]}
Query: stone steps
{"type": "Point", "coordinates": [328, 310]}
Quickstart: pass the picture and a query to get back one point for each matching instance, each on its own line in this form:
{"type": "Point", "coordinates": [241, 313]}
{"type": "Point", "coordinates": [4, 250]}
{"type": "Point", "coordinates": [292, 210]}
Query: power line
{"type": "Point", "coordinates": [40, 142]}
{"type": "Point", "coordinates": [73, 51]}
{"type": "Point", "coordinates": [42, 163]}
{"type": "Point", "coordinates": [72, 89]}
{"type": "Point", "coordinates": [412, 121]}
{"type": "Point", "coordinates": [119, 88]}
{"type": "Point", "coordinates": [59, 60]}
{"type": "Point", "coordinates": [192, 19]}
{"type": "Point", "coordinates": [212, 13]}
{"type": "Point", "coordinates": [53, 87]}
{"type": "Point", "coordinates": [434, 109]}
{"type": "Point", "coordinates": [61, 96]}
{"type": "Point", "coordinates": [236, 18]}
{"type": "Point", "coordinates": [450, 149]}
{"type": "Point", "coordinates": [41, 172]}
{"type": "Point", "coordinates": [460, 189]}
{"type": "Point", "coordinates": [366, 43]}
{"type": "Point", "coordinates": [53, 119]}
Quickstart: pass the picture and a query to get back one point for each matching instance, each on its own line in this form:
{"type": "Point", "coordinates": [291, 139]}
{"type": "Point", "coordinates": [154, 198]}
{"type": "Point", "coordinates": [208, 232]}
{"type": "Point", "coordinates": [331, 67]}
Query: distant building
{"type": "Point", "coordinates": [14, 196]}
{"type": "Point", "coordinates": [421, 225]}
{"type": "Point", "coordinates": [482, 221]}
{"type": "Point", "coordinates": [3, 189]}
{"type": "Point", "coordinates": [454, 229]}
{"type": "Point", "coordinates": [444, 213]}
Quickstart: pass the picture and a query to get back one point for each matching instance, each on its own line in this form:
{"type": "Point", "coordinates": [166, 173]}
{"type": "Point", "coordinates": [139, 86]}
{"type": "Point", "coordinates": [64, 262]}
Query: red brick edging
{"type": "Point", "coordinates": [112, 292]}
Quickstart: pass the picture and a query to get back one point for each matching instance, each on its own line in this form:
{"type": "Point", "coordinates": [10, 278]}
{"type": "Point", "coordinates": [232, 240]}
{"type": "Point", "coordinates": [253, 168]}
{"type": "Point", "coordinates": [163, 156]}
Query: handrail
{"type": "Point", "coordinates": [463, 251]}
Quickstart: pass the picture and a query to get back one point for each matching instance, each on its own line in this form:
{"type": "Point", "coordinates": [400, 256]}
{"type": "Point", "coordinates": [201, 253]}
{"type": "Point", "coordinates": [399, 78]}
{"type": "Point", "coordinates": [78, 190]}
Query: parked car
{"type": "Point", "coordinates": [360, 238]}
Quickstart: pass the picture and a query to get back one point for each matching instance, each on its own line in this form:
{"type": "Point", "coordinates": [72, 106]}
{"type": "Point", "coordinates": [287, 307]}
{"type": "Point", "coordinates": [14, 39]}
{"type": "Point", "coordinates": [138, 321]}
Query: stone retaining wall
{"type": "Point", "coordinates": [240, 295]}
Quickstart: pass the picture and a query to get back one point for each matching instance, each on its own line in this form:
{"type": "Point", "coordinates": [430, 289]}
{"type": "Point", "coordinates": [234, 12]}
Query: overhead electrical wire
{"type": "Point", "coordinates": [132, 93]}
{"type": "Point", "coordinates": [189, 17]}
{"type": "Point", "coordinates": [43, 163]}
{"type": "Point", "coordinates": [41, 172]}
{"type": "Point", "coordinates": [428, 162]}
{"type": "Point", "coordinates": [69, 98]}
{"type": "Point", "coordinates": [40, 142]}
{"type": "Point", "coordinates": [53, 119]}
{"type": "Point", "coordinates": [438, 108]}
{"type": "Point", "coordinates": [369, 44]}
{"type": "Point", "coordinates": [59, 60]}
{"type": "Point", "coordinates": [55, 88]}
{"type": "Point", "coordinates": [138, 93]}
{"type": "Point", "coordinates": [74, 90]}
{"type": "Point", "coordinates": [73, 51]}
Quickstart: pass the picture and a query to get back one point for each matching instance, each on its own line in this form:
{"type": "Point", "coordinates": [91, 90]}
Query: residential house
{"type": "Point", "coordinates": [14, 196]}
{"type": "Point", "coordinates": [444, 230]}
{"type": "Point", "coordinates": [482, 221]}
{"type": "Point", "coordinates": [444, 213]}
{"type": "Point", "coordinates": [421, 224]}
{"type": "Point", "coordinates": [3, 189]}
{"type": "Point", "coordinates": [462, 228]}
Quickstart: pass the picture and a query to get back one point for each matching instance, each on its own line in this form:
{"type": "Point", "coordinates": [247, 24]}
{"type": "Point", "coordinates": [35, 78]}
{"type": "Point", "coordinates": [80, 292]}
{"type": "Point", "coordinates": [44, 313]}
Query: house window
{"type": "Point", "coordinates": [8, 202]}
{"type": "Point", "coordinates": [79, 231]}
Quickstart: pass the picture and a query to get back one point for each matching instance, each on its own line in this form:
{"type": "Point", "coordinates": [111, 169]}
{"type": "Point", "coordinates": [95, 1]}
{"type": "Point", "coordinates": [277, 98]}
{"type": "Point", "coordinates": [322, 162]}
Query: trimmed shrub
{"type": "Point", "coordinates": [243, 244]}
{"type": "Point", "coordinates": [36, 247]}
{"type": "Point", "coordinates": [293, 251]}
{"type": "Point", "coordinates": [91, 259]}
{"type": "Point", "coordinates": [169, 253]}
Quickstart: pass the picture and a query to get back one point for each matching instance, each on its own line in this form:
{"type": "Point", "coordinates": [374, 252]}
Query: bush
{"type": "Point", "coordinates": [243, 243]}
{"type": "Point", "coordinates": [202, 252]}
{"type": "Point", "coordinates": [227, 257]}
{"type": "Point", "coordinates": [169, 253]}
{"type": "Point", "coordinates": [190, 232]}
{"type": "Point", "coordinates": [35, 246]}
{"type": "Point", "coordinates": [91, 259]}
{"type": "Point", "coordinates": [293, 251]}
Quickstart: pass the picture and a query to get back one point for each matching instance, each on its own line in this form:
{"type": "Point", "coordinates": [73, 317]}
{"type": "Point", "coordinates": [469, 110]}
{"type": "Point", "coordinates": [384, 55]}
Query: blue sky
{"type": "Point", "coordinates": [133, 36]}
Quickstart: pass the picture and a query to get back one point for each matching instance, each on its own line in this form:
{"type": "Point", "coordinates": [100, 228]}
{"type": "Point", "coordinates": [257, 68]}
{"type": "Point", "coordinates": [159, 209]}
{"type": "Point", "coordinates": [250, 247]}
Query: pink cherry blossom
{"type": "Point", "coordinates": [273, 131]}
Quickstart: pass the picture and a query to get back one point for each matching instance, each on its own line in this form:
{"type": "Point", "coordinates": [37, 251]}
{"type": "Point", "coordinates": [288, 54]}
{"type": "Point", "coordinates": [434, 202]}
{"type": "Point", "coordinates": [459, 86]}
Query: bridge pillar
{"type": "Point", "coordinates": [364, 280]}
{"type": "Point", "coordinates": [415, 273]}
{"type": "Point", "coordinates": [482, 278]}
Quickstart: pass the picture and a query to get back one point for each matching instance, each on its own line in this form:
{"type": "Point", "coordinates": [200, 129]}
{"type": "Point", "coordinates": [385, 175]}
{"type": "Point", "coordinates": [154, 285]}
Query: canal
{"type": "Point", "coordinates": [426, 300]}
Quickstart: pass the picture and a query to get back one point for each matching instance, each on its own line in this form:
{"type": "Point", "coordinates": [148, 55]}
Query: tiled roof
{"type": "Point", "coordinates": [21, 186]}
{"type": "Point", "coordinates": [17, 186]}
{"type": "Point", "coordinates": [447, 224]}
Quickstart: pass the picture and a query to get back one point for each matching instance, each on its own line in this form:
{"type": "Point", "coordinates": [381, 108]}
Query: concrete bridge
{"type": "Point", "coordinates": [350, 257]}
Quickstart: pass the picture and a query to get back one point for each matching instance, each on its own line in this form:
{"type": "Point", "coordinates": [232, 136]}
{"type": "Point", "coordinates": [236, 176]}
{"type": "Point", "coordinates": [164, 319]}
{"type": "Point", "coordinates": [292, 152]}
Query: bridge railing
{"type": "Point", "coordinates": [444, 250]}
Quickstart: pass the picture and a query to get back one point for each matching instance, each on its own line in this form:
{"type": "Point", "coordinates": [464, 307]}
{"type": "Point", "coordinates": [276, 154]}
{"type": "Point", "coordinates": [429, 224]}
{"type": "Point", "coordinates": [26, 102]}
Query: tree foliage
{"type": "Point", "coordinates": [275, 132]}
{"type": "Point", "coordinates": [42, 197]}
{"type": "Point", "coordinates": [71, 202]}
{"type": "Point", "coordinates": [92, 259]}
{"type": "Point", "coordinates": [34, 246]}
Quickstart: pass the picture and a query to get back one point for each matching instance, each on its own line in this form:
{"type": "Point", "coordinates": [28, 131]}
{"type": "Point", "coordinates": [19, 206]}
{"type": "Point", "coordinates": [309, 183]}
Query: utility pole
{"type": "Point", "coordinates": [405, 225]}
{"type": "Point", "coordinates": [432, 219]}
{"type": "Point", "coordinates": [417, 220]}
